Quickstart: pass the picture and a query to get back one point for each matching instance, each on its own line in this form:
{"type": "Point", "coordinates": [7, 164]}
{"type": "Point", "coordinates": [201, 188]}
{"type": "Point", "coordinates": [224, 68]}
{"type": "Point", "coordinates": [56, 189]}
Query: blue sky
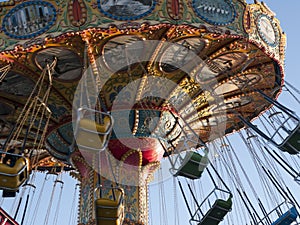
{"type": "Point", "coordinates": [288, 13]}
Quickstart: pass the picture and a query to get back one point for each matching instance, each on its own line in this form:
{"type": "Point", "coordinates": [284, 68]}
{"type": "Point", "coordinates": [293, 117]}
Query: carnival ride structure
{"type": "Point", "coordinates": [121, 93]}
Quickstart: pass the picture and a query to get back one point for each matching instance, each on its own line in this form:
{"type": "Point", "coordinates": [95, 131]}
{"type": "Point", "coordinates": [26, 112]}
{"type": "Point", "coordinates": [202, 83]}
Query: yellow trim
{"type": "Point", "coordinates": [91, 124]}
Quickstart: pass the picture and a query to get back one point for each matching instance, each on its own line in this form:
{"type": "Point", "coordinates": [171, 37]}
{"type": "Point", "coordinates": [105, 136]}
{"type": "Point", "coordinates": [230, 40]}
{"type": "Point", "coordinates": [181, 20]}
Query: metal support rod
{"type": "Point", "coordinates": [253, 208]}
{"type": "Point", "coordinates": [185, 199]}
{"type": "Point", "coordinates": [195, 199]}
{"type": "Point", "coordinates": [194, 133]}
{"type": "Point", "coordinates": [18, 208]}
{"type": "Point", "coordinates": [280, 106]}
{"type": "Point", "coordinates": [282, 161]}
{"type": "Point", "coordinates": [246, 205]}
{"type": "Point", "coordinates": [264, 211]}
{"type": "Point", "coordinates": [25, 209]}
{"type": "Point", "coordinates": [218, 175]}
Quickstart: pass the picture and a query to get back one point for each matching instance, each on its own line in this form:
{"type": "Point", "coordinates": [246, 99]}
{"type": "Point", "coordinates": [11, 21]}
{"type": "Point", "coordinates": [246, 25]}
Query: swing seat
{"type": "Point", "coordinates": [287, 218]}
{"type": "Point", "coordinates": [292, 143]}
{"type": "Point", "coordinates": [192, 165]}
{"type": "Point", "coordinates": [108, 221]}
{"type": "Point", "coordinates": [217, 212]}
{"type": "Point", "coordinates": [92, 135]}
{"type": "Point", "coordinates": [110, 212]}
{"type": "Point", "coordinates": [11, 178]}
{"type": "Point", "coordinates": [9, 194]}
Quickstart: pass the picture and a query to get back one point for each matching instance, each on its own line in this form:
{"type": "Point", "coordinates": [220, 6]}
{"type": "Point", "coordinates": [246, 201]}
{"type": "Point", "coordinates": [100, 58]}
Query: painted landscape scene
{"type": "Point", "coordinates": [126, 8]}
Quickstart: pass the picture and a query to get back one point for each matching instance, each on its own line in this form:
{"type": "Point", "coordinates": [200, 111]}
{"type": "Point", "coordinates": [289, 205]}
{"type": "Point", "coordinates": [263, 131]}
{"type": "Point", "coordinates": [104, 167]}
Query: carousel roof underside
{"type": "Point", "coordinates": [237, 60]}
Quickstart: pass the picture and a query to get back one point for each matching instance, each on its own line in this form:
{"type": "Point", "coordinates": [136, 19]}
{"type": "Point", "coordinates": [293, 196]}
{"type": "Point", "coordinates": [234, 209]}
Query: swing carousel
{"type": "Point", "coordinates": [118, 92]}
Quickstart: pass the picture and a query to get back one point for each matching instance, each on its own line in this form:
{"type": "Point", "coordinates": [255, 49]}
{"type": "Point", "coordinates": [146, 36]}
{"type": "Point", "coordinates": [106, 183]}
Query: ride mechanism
{"type": "Point", "coordinates": [109, 89]}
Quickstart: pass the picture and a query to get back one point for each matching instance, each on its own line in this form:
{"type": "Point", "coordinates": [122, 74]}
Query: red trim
{"type": "Point", "coordinates": [4, 215]}
{"type": "Point", "coordinates": [77, 11]}
{"type": "Point", "coordinates": [175, 7]}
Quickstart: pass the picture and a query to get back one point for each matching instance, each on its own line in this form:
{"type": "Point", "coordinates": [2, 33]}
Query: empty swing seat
{"type": "Point", "coordinates": [217, 212]}
{"type": "Point", "coordinates": [292, 143]}
{"type": "Point", "coordinates": [110, 212]}
{"type": "Point", "coordinates": [192, 165]}
{"type": "Point", "coordinates": [287, 218]}
{"type": "Point", "coordinates": [12, 177]}
{"type": "Point", "coordinates": [92, 135]}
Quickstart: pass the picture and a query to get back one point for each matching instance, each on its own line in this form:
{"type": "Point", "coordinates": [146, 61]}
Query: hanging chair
{"type": "Point", "coordinates": [286, 136]}
{"type": "Point", "coordinates": [14, 171]}
{"type": "Point", "coordinates": [288, 217]}
{"type": "Point", "coordinates": [190, 166]}
{"type": "Point", "coordinates": [207, 213]}
{"type": "Point", "coordinates": [291, 143]}
{"type": "Point", "coordinates": [284, 214]}
{"type": "Point", "coordinates": [93, 134]}
{"type": "Point", "coordinates": [14, 167]}
{"type": "Point", "coordinates": [186, 161]}
{"type": "Point", "coordinates": [217, 211]}
{"type": "Point", "coordinates": [109, 209]}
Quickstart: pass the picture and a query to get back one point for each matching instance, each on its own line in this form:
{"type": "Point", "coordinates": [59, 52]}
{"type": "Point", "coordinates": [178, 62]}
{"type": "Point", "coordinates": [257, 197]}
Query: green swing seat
{"type": "Point", "coordinates": [292, 143]}
{"type": "Point", "coordinates": [217, 212]}
{"type": "Point", "coordinates": [192, 165]}
{"type": "Point", "coordinates": [110, 211]}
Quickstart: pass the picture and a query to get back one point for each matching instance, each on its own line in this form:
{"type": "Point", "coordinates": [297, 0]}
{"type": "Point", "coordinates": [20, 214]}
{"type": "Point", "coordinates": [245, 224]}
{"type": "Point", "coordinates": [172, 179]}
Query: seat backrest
{"type": "Point", "coordinates": [224, 204]}
{"type": "Point", "coordinates": [104, 202]}
{"type": "Point", "coordinates": [288, 217]}
{"type": "Point", "coordinates": [114, 194]}
{"type": "Point", "coordinates": [19, 165]}
{"type": "Point", "coordinates": [92, 125]}
{"type": "Point", "coordinates": [192, 166]}
{"type": "Point", "coordinates": [291, 144]}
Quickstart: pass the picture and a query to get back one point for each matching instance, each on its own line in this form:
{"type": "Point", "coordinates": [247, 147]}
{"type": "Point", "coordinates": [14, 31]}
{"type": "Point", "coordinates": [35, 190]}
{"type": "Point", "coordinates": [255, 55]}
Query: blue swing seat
{"type": "Point", "coordinates": [287, 218]}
